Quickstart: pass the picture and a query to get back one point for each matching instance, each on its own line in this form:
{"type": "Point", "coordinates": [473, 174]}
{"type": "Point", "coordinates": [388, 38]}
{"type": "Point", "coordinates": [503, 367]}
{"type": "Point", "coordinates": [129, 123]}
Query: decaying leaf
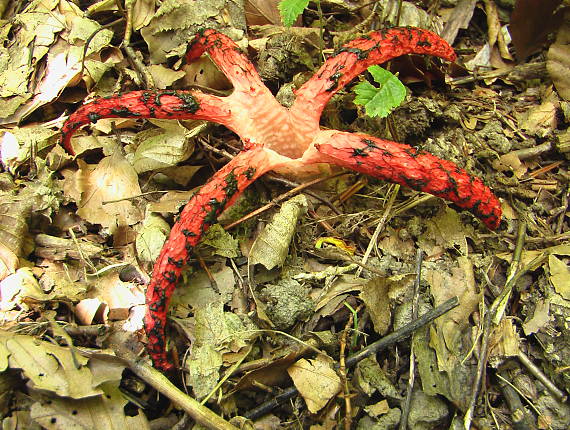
{"type": "Point", "coordinates": [222, 242]}
{"type": "Point", "coordinates": [216, 332]}
{"type": "Point", "coordinates": [375, 294]}
{"type": "Point", "coordinates": [272, 245]}
{"type": "Point", "coordinates": [316, 380]}
{"type": "Point", "coordinates": [531, 22]}
{"type": "Point", "coordinates": [106, 190]}
{"type": "Point", "coordinates": [13, 230]}
{"type": "Point", "coordinates": [164, 147]}
{"type": "Point", "coordinates": [559, 276]}
{"type": "Point", "coordinates": [50, 367]}
{"type": "Point", "coordinates": [49, 36]}
{"type": "Point", "coordinates": [558, 59]}
{"type": "Point", "coordinates": [106, 411]}
{"type": "Point", "coordinates": [151, 237]}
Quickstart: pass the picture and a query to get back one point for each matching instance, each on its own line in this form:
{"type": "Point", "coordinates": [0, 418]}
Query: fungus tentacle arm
{"type": "Point", "coordinates": [166, 104]}
{"type": "Point", "coordinates": [357, 55]}
{"type": "Point", "coordinates": [404, 165]}
{"type": "Point", "coordinates": [198, 215]}
{"type": "Point", "coordinates": [225, 53]}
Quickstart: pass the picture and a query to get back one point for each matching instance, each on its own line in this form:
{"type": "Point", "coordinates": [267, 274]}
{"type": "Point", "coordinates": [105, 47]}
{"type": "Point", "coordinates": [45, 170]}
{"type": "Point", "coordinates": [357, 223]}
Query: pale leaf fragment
{"type": "Point", "coordinates": [504, 342]}
{"type": "Point", "coordinates": [316, 381]}
{"type": "Point", "coordinates": [105, 192]}
{"type": "Point", "coordinates": [50, 367]}
{"type": "Point", "coordinates": [271, 247]}
{"type": "Point", "coordinates": [559, 276]}
{"type": "Point", "coordinates": [100, 412]}
{"type": "Point", "coordinates": [540, 317]}
{"type": "Point", "coordinates": [151, 237]}
{"type": "Point", "coordinates": [558, 59]}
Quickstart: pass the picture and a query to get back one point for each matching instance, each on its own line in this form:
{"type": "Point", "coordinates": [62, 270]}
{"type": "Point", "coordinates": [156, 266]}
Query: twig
{"type": "Point", "coordinates": [281, 198]}
{"type": "Point", "coordinates": [154, 378]}
{"type": "Point", "coordinates": [494, 316]}
{"type": "Point", "coordinates": [371, 349]}
{"type": "Point", "coordinates": [411, 380]}
{"type": "Point", "coordinates": [385, 218]}
{"type": "Point", "coordinates": [538, 374]}
{"type": "Point", "coordinates": [342, 366]}
{"type": "Point", "coordinates": [500, 301]}
{"type": "Point", "coordinates": [518, 413]}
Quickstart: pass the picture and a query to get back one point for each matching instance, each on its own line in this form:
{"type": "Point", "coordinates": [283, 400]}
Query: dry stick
{"type": "Point", "coordinates": [495, 314]}
{"type": "Point", "coordinates": [411, 380]}
{"type": "Point", "coordinates": [342, 368]}
{"type": "Point", "coordinates": [560, 222]}
{"type": "Point", "coordinates": [161, 383]}
{"type": "Point", "coordinates": [538, 374]}
{"type": "Point", "coordinates": [281, 198]}
{"type": "Point", "coordinates": [519, 416]}
{"type": "Point", "coordinates": [371, 349]}
{"type": "Point", "coordinates": [385, 217]}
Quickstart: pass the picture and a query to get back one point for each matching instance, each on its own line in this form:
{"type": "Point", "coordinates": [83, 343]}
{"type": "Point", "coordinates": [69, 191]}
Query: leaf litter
{"type": "Point", "coordinates": [483, 118]}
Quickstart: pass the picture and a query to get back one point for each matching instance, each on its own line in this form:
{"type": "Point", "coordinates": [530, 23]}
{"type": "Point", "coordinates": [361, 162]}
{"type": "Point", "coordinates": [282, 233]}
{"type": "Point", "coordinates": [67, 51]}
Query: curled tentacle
{"type": "Point", "coordinates": [198, 215]}
{"type": "Point", "coordinates": [357, 55]}
{"type": "Point", "coordinates": [165, 104]}
{"type": "Point", "coordinates": [228, 57]}
{"type": "Point", "coordinates": [404, 165]}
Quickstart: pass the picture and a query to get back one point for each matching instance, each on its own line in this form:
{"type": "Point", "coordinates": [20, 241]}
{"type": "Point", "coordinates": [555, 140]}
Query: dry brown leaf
{"type": "Point", "coordinates": [375, 295]}
{"type": "Point", "coordinates": [539, 120]}
{"type": "Point", "coordinates": [558, 60]}
{"type": "Point", "coordinates": [316, 381]}
{"type": "Point", "coordinates": [105, 192]}
{"type": "Point", "coordinates": [261, 12]}
{"type": "Point", "coordinates": [531, 22]}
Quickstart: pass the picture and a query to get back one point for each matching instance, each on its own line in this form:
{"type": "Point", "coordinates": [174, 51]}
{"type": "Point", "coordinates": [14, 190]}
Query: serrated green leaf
{"type": "Point", "coordinates": [379, 101]}
{"type": "Point", "coordinates": [291, 9]}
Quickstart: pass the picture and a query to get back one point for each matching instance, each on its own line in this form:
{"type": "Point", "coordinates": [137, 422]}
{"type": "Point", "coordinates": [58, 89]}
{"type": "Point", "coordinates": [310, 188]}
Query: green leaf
{"type": "Point", "coordinates": [379, 101]}
{"type": "Point", "coordinates": [291, 9]}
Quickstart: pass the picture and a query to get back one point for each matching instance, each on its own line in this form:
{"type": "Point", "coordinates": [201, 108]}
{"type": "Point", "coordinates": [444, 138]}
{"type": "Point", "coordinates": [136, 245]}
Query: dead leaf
{"type": "Point", "coordinates": [151, 237]}
{"type": "Point", "coordinates": [164, 147]}
{"type": "Point", "coordinates": [50, 367]}
{"type": "Point", "coordinates": [531, 22]}
{"type": "Point", "coordinates": [559, 276]}
{"type": "Point", "coordinates": [445, 230]}
{"type": "Point", "coordinates": [13, 230]}
{"type": "Point", "coordinates": [164, 77]}
{"type": "Point", "coordinates": [143, 11]}
{"type": "Point", "coordinates": [504, 342]}
{"type": "Point", "coordinates": [316, 381]}
{"type": "Point", "coordinates": [558, 59]}
{"type": "Point", "coordinates": [272, 246]}
{"type": "Point", "coordinates": [375, 294]}
{"type": "Point", "coordinates": [539, 120]}
{"type": "Point", "coordinates": [459, 19]}
{"type": "Point", "coordinates": [106, 190]}
{"type": "Point", "coordinates": [261, 12]}
{"type": "Point", "coordinates": [540, 317]}
{"type": "Point", "coordinates": [105, 411]}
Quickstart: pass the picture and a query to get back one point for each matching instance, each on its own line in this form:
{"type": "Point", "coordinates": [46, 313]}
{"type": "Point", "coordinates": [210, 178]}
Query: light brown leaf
{"type": "Point", "coordinates": [316, 381]}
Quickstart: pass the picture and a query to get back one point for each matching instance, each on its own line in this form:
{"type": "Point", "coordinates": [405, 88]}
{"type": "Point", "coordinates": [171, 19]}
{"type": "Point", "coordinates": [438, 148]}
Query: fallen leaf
{"type": "Point", "coordinates": [272, 246]}
{"type": "Point", "coordinates": [559, 276]}
{"type": "Point", "coordinates": [316, 381]}
{"type": "Point", "coordinates": [540, 317]}
{"type": "Point", "coordinates": [558, 59]}
{"type": "Point", "coordinates": [106, 190]}
{"type": "Point", "coordinates": [531, 22]}
{"type": "Point", "coordinates": [105, 411]}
